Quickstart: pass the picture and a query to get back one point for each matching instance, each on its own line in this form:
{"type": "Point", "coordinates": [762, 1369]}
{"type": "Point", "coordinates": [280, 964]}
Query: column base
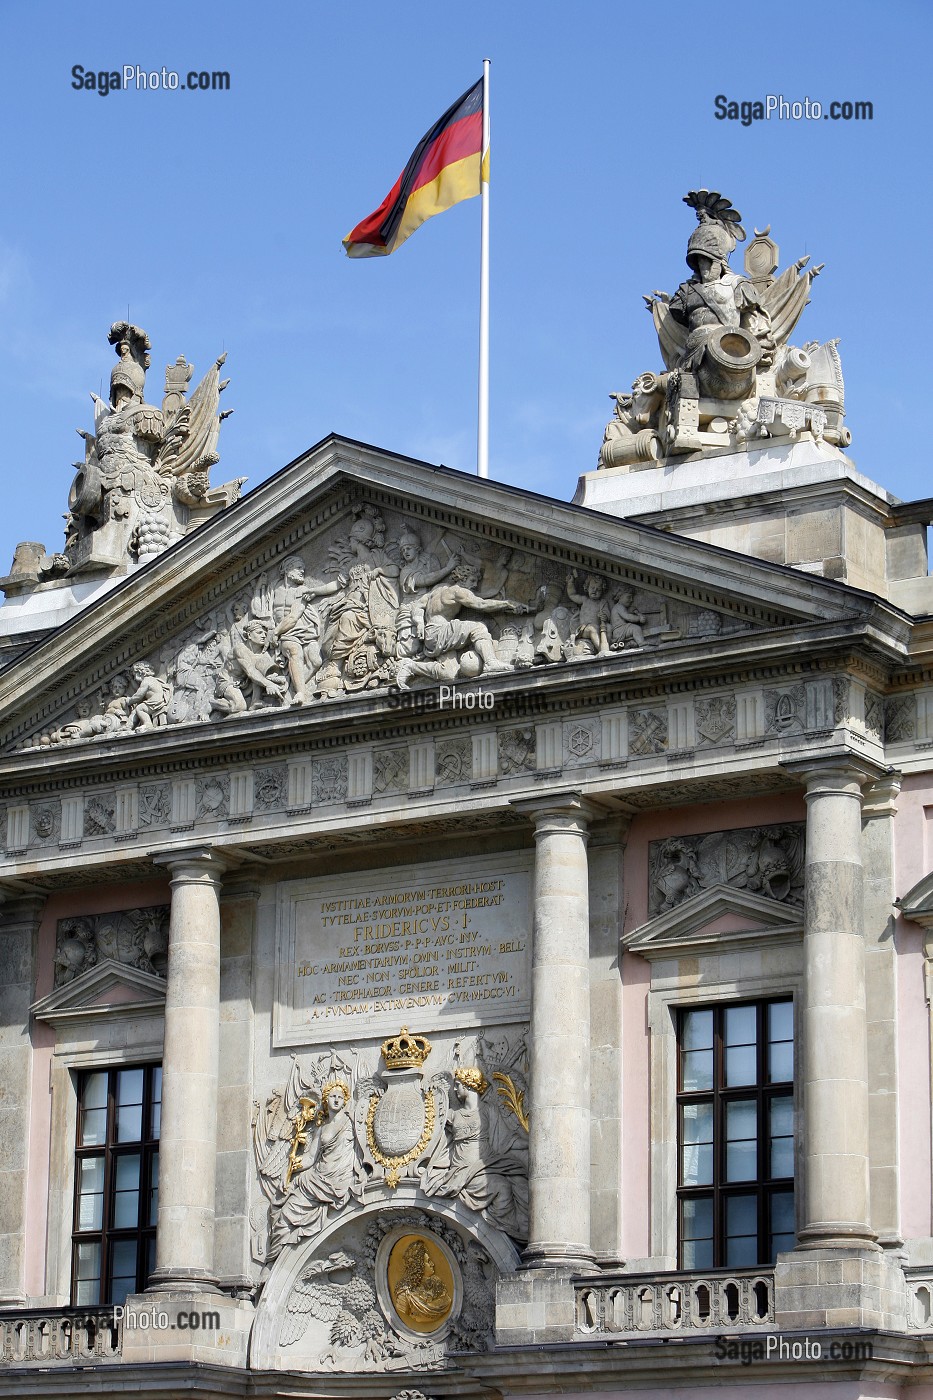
{"type": "Point", "coordinates": [181, 1281]}
{"type": "Point", "coordinates": [568, 1258]}
{"type": "Point", "coordinates": [834, 1234]}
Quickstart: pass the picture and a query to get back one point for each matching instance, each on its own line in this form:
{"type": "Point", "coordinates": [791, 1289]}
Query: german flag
{"type": "Point", "coordinates": [444, 169]}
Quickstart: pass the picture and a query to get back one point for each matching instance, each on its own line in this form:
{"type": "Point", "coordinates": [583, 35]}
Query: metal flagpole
{"type": "Point", "coordinates": [482, 432]}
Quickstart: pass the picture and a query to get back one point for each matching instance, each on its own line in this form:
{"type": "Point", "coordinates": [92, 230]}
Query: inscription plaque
{"type": "Point", "coordinates": [435, 945]}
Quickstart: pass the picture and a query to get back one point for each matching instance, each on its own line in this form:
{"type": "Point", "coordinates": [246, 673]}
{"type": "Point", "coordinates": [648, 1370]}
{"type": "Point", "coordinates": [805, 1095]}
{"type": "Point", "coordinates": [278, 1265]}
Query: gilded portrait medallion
{"type": "Point", "coordinates": [420, 1283]}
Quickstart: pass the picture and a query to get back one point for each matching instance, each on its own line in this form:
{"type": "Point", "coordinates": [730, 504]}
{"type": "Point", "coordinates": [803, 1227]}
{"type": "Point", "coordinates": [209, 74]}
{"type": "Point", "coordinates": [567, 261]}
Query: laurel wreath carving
{"type": "Point", "coordinates": [396, 1165]}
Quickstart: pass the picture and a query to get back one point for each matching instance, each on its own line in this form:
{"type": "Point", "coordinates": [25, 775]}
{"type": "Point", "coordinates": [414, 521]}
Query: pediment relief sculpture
{"type": "Point", "coordinates": [731, 376]}
{"type": "Point", "coordinates": [144, 481]}
{"type": "Point", "coordinates": [380, 603]}
{"type": "Point", "coordinates": [765, 860]}
{"type": "Point", "coordinates": [134, 937]}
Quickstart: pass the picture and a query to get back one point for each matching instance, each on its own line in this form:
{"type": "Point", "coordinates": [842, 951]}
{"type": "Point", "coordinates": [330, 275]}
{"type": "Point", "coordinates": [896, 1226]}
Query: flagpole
{"type": "Point", "coordinates": [482, 433]}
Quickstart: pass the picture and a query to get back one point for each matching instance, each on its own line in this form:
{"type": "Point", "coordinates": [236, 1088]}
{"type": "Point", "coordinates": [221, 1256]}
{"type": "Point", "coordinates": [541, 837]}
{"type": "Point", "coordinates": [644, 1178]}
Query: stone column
{"type": "Point", "coordinates": [19, 925]}
{"type": "Point", "coordinates": [559, 1137]}
{"type": "Point", "coordinates": [190, 1060]}
{"type": "Point", "coordinates": [834, 1031]}
{"type": "Point", "coordinates": [878, 814]}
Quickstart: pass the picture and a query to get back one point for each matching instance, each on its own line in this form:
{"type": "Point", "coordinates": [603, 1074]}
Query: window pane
{"type": "Point", "coordinates": [781, 1062]}
{"type": "Point", "coordinates": [783, 1234]}
{"type": "Point", "coordinates": [741, 1231]}
{"type": "Point", "coordinates": [781, 1042]}
{"type": "Point", "coordinates": [95, 1090]}
{"type": "Point", "coordinates": [781, 1020]}
{"type": "Point", "coordinates": [126, 1197]}
{"type": "Point", "coordinates": [696, 1167]}
{"type": "Point", "coordinates": [91, 1193]}
{"type": "Point", "coordinates": [741, 1065]}
{"type": "Point", "coordinates": [150, 1257]}
{"type": "Point", "coordinates": [130, 1086]}
{"type": "Point", "coordinates": [697, 1122]}
{"type": "Point", "coordinates": [122, 1270]}
{"type": "Point", "coordinates": [698, 1254]}
{"type": "Point", "coordinates": [697, 1233]}
{"type": "Point", "coordinates": [87, 1262]}
{"type": "Point", "coordinates": [697, 1070]}
{"type": "Point", "coordinates": [741, 1023]}
{"type": "Point", "coordinates": [129, 1122]}
{"type": "Point", "coordinates": [87, 1274]}
{"type": "Point", "coordinates": [742, 1140]}
{"type": "Point", "coordinates": [94, 1127]}
{"type": "Point", "coordinates": [154, 1192]}
{"type": "Point", "coordinates": [156, 1102]}
{"type": "Point", "coordinates": [129, 1105]}
{"type": "Point", "coordinates": [782, 1137]}
{"type": "Point", "coordinates": [697, 1030]}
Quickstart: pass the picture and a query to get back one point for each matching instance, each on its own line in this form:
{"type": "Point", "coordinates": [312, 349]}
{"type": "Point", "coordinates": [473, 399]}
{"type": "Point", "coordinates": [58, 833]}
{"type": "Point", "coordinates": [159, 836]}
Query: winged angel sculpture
{"type": "Point", "coordinates": [145, 478]}
{"type": "Point", "coordinates": [730, 373]}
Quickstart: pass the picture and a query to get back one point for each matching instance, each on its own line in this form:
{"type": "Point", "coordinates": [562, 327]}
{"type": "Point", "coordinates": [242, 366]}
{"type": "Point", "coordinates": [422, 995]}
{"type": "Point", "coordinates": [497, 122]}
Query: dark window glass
{"type": "Point", "coordinates": [116, 1183]}
{"type": "Point", "coordinates": [735, 1112]}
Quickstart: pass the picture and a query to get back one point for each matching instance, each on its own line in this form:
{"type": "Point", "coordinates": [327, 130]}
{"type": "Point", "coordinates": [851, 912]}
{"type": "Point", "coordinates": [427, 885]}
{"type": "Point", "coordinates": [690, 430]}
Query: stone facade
{"type": "Point", "coordinates": [401, 818]}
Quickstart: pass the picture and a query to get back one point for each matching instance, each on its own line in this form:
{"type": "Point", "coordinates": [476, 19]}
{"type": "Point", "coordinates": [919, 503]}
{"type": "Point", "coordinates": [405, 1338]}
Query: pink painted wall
{"type": "Point", "coordinates": [104, 899]}
{"type": "Point", "coordinates": [636, 978]}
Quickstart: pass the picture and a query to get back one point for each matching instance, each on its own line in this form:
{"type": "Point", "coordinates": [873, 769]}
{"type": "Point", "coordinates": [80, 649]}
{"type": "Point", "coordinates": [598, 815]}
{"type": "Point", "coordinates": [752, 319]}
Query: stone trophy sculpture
{"type": "Point", "coordinates": [145, 478]}
{"type": "Point", "coordinates": [730, 374]}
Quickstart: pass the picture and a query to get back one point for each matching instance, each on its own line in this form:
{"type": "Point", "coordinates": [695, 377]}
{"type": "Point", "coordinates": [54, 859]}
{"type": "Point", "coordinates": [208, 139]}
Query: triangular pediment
{"type": "Point", "coordinates": [108, 989]}
{"type": "Point", "coordinates": [917, 903]}
{"type": "Point", "coordinates": [715, 919]}
{"type": "Point", "coordinates": [560, 586]}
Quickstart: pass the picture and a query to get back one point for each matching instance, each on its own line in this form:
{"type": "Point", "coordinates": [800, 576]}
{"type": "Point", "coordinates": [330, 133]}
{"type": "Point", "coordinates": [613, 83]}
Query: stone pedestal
{"type": "Point", "coordinates": [188, 1146]}
{"type": "Point", "coordinates": [559, 1137]}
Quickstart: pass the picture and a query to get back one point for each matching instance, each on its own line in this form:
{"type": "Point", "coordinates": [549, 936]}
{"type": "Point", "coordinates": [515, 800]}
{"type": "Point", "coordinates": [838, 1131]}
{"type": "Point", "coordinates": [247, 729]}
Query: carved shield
{"type": "Point", "coordinates": [399, 1120]}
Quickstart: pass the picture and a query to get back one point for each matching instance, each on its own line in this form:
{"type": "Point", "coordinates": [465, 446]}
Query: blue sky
{"type": "Point", "coordinates": [217, 217]}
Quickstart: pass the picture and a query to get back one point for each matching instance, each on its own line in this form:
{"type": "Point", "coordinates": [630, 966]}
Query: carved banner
{"type": "Point", "coordinates": [436, 945]}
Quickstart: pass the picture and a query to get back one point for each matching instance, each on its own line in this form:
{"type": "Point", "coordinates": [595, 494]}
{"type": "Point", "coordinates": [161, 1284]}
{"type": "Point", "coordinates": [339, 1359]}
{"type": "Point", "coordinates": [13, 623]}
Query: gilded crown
{"type": "Point", "coordinates": [405, 1051]}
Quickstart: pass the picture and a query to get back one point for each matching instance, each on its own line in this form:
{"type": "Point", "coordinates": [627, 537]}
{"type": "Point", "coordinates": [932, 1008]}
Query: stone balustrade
{"type": "Point", "coordinates": [919, 1299]}
{"type": "Point", "coordinates": [59, 1336]}
{"type": "Point", "coordinates": [659, 1304]}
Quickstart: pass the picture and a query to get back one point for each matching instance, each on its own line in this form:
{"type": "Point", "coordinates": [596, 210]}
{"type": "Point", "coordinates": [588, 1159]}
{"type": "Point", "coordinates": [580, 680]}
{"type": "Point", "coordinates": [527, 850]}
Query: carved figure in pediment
{"type": "Point", "coordinates": [447, 638]}
{"type": "Point", "coordinates": [626, 623]}
{"type": "Point", "coordinates": [76, 950]}
{"type": "Point", "coordinates": [677, 874]}
{"type": "Point", "coordinates": [149, 703]}
{"type": "Point", "coordinates": [593, 617]}
{"type": "Point", "coordinates": [297, 630]}
{"type": "Point", "coordinates": [360, 633]}
{"type": "Point", "coordinates": [228, 698]}
{"type": "Point", "coordinates": [420, 570]}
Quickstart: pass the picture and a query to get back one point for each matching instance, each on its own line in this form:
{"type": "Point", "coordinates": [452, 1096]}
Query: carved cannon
{"type": "Point", "coordinates": [727, 370]}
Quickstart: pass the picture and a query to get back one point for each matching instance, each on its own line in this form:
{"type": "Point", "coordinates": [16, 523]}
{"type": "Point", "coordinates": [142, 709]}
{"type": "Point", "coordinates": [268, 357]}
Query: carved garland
{"type": "Point", "coordinates": [395, 1165]}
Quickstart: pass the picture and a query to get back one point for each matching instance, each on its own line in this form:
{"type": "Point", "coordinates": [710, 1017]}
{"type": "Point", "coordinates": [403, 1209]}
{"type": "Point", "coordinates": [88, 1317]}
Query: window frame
{"type": "Point", "coordinates": [147, 1148]}
{"type": "Point", "coordinates": [763, 1187]}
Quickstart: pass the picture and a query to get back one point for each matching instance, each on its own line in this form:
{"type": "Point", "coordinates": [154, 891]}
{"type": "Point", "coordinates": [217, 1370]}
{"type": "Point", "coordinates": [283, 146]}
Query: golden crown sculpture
{"type": "Point", "coordinates": [405, 1051]}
